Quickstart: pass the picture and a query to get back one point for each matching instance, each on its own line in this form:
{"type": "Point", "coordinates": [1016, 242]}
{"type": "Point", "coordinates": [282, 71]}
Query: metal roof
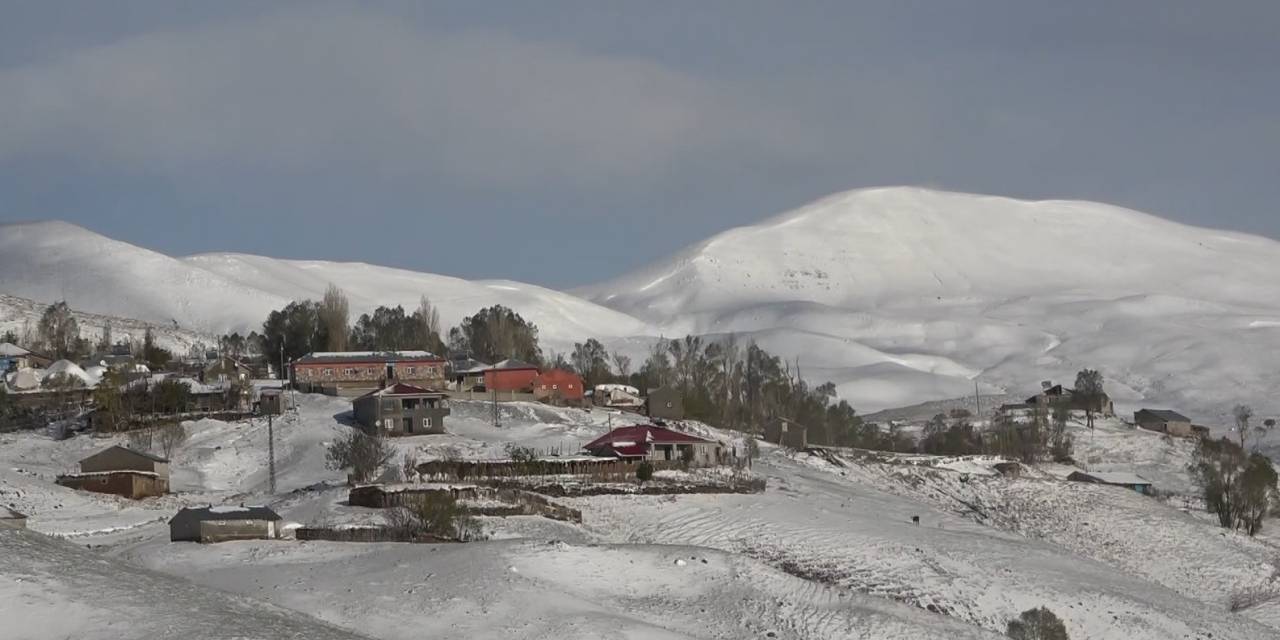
{"type": "Point", "coordinates": [1165, 415]}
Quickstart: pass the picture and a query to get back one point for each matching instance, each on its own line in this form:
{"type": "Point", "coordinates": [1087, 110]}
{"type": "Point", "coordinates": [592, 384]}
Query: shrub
{"type": "Point", "coordinates": [365, 455]}
{"type": "Point", "coordinates": [644, 472]}
{"type": "Point", "coordinates": [1037, 624]}
{"type": "Point", "coordinates": [434, 515]}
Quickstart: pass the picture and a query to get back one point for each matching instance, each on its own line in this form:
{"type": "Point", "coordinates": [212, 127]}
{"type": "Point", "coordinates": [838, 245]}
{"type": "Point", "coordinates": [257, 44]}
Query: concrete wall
{"type": "Point", "coordinates": [224, 530]}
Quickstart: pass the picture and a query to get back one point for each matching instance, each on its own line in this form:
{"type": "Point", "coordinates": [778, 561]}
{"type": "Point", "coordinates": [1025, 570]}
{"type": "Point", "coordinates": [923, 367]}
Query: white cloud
{"type": "Point", "coordinates": [310, 91]}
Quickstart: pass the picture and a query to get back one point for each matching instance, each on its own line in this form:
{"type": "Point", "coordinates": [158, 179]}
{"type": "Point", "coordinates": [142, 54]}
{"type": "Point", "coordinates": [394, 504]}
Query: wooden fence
{"type": "Point", "coordinates": [603, 469]}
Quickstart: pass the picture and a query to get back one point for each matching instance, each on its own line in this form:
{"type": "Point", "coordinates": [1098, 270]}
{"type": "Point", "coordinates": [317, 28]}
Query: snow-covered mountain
{"type": "Point", "coordinates": [898, 295]}
{"type": "Point", "coordinates": [904, 294]}
{"type": "Point", "coordinates": [221, 292]}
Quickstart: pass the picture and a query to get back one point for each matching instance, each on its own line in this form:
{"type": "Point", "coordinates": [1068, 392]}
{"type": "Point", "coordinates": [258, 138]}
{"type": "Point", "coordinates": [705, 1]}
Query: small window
{"type": "Point", "coordinates": [555, 386]}
{"type": "Point", "coordinates": [328, 373]}
{"type": "Point", "coordinates": [426, 422]}
{"type": "Point", "coordinates": [408, 371]}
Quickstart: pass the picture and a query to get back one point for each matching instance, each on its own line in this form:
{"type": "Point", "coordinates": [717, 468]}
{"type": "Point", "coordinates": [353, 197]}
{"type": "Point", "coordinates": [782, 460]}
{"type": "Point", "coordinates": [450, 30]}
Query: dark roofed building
{"type": "Point", "coordinates": [1113, 478]}
{"type": "Point", "coordinates": [786, 432]}
{"type": "Point", "coordinates": [650, 442]}
{"type": "Point", "coordinates": [121, 471]}
{"type": "Point", "coordinates": [1058, 393]}
{"type": "Point", "coordinates": [664, 403]}
{"type": "Point", "coordinates": [1164, 421]}
{"type": "Point", "coordinates": [219, 524]}
{"type": "Point", "coordinates": [401, 409]}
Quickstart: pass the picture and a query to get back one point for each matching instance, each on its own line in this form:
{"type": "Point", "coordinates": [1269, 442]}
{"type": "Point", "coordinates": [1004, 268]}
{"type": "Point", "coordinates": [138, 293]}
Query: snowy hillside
{"type": "Point", "coordinates": [897, 295]}
{"type": "Point", "coordinates": [827, 551]}
{"type": "Point", "coordinates": [901, 294]}
{"type": "Point", "coordinates": [217, 293]}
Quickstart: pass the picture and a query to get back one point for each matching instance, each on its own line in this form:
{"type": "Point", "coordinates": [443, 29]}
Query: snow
{"type": "Point", "coordinates": [897, 295]}
{"type": "Point", "coordinates": [828, 551]}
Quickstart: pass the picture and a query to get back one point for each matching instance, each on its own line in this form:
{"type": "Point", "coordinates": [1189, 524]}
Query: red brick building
{"type": "Point", "coordinates": [511, 375]}
{"type": "Point", "coordinates": [558, 386]}
{"type": "Point", "coordinates": [368, 369]}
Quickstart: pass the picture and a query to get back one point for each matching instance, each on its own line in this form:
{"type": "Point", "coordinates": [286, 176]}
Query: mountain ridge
{"type": "Point", "coordinates": [898, 295]}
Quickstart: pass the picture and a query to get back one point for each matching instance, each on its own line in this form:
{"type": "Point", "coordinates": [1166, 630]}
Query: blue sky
{"type": "Point", "coordinates": [565, 142]}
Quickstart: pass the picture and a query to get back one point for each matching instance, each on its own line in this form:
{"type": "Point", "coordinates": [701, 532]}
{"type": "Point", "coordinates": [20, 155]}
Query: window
{"type": "Point", "coordinates": [328, 373]}
{"type": "Point", "coordinates": [555, 386]}
{"type": "Point", "coordinates": [349, 371]}
{"type": "Point", "coordinates": [408, 371]}
{"type": "Point", "coordinates": [426, 422]}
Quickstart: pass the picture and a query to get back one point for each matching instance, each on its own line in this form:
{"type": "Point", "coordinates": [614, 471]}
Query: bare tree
{"type": "Point", "coordinates": [622, 364]}
{"type": "Point", "coordinates": [428, 320]}
{"type": "Point", "coordinates": [59, 332]}
{"type": "Point", "coordinates": [171, 436]}
{"type": "Point", "coordinates": [409, 466]}
{"type": "Point", "coordinates": [1242, 414]}
{"type": "Point", "coordinates": [142, 439]}
{"type": "Point", "coordinates": [334, 314]}
{"type": "Point", "coordinates": [363, 454]}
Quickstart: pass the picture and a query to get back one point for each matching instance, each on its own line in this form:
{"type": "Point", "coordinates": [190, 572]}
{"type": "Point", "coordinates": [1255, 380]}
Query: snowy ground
{"type": "Point", "coordinates": [828, 551]}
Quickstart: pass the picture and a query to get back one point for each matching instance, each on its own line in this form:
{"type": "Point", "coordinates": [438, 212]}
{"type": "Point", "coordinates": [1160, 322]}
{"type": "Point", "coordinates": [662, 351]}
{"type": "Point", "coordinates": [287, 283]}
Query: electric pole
{"type": "Point", "coordinates": [271, 454]}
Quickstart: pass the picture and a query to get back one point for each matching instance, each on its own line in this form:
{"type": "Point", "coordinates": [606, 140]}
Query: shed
{"type": "Point", "coordinates": [119, 458]}
{"type": "Point", "coordinates": [10, 519]}
{"type": "Point", "coordinates": [665, 403]}
{"type": "Point", "coordinates": [1113, 478]}
{"type": "Point", "coordinates": [786, 432]}
{"type": "Point", "coordinates": [271, 401]}
{"type": "Point", "coordinates": [1164, 421]}
{"type": "Point", "coordinates": [219, 524]}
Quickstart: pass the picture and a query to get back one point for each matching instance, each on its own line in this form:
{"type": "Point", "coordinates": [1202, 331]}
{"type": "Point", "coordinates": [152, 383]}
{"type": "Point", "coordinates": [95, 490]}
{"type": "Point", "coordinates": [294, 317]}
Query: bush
{"type": "Point", "coordinates": [1037, 624]}
{"type": "Point", "coordinates": [363, 454]}
{"type": "Point", "coordinates": [644, 472]}
{"type": "Point", "coordinates": [434, 515]}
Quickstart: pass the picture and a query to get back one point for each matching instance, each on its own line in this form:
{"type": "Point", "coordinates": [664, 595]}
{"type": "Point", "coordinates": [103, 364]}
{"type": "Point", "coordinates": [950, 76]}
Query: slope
{"type": "Point", "coordinates": [902, 295]}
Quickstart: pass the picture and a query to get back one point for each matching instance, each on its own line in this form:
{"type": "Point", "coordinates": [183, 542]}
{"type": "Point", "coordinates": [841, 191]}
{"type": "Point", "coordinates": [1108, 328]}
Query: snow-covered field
{"type": "Point", "coordinates": [897, 295]}
{"type": "Point", "coordinates": [828, 551]}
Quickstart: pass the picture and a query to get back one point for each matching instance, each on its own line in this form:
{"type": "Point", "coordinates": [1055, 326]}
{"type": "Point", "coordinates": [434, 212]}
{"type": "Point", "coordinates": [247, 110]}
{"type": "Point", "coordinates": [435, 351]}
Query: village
{"type": "Point", "coordinates": [406, 394]}
{"type": "Point", "coordinates": [149, 458]}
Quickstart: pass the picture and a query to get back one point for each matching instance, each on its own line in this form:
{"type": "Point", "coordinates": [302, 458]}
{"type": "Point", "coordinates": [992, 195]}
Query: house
{"type": "Point", "coordinates": [401, 409]}
{"type": "Point", "coordinates": [1008, 469]}
{"type": "Point", "coordinates": [664, 403]}
{"type": "Point", "coordinates": [786, 432]}
{"type": "Point", "coordinates": [219, 524]}
{"type": "Point", "coordinates": [1113, 478]}
{"type": "Point", "coordinates": [226, 369]}
{"type": "Point", "coordinates": [650, 442]}
{"type": "Point", "coordinates": [271, 401]}
{"type": "Point", "coordinates": [121, 471]}
{"type": "Point", "coordinates": [1054, 393]}
{"type": "Point", "coordinates": [10, 519]}
{"type": "Point", "coordinates": [13, 357]}
{"type": "Point", "coordinates": [466, 373]}
{"type": "Point", "coordinates": [1164, 421]}
{"type": "Point", "coordinates": [558, 387]}
{"type": "Point", "coordinates": [510, 375]}
{"type": "Point", "coordinates": [334, 371]}
{"type": "Point", "coordinates": [617, 396]}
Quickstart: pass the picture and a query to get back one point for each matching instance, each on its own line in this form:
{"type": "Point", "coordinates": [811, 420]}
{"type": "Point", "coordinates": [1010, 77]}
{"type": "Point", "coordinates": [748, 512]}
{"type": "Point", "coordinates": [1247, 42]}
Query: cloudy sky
{"type": "Point", "coordinates": [564, 142]}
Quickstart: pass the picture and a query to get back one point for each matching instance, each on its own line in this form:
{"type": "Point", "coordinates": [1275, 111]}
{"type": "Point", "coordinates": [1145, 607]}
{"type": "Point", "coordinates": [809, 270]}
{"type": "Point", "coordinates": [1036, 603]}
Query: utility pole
{"type": "Point", "coordinates": [271, 454]}
{"type": "Point", "coordinates": [977, 400]}
{"type": "Point", "coordinates": [497, 420]}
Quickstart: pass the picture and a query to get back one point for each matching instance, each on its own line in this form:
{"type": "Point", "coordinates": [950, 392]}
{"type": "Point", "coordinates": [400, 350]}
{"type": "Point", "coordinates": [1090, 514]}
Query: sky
{"type": "Point", "coordinates": [562, 142]}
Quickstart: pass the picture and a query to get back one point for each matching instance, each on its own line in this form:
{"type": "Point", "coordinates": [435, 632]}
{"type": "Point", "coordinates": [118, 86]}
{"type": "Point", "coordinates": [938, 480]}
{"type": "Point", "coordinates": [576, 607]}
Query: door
{"type": "Point", "coordinates": [408, 425]}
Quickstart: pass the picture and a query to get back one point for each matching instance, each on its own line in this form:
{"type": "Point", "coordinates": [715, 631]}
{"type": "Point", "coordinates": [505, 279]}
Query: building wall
{"type": "Point", "coordinates": [124, 484]}
{"type": "Point", "coordinates": [557, 385]}
{"type": "Point", "coordinates": [509, 379]}
{"type": "Point", "coordinates": [429, 373]}
{"type": "Point", "coordinates": [117, 460]}
{"type": "Point", "coordinates": [224, 530]}
{"type": "Point", "coordinates": [665, 404]}
{"type": "Point", "coordinates": [373, 413]}
{"type": "Point", "coordinates": [705, 454]}
{"type": "Point", "coordinates": [787, 434]}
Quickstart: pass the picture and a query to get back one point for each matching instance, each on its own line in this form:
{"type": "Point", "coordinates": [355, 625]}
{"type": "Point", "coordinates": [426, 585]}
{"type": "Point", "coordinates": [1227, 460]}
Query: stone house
{"type": "Point", "coordinates": [335, 371]}
{"type": "Point", "coordinates": [219, 524]}
{"type": "Point", "coordinates": [401, 409]}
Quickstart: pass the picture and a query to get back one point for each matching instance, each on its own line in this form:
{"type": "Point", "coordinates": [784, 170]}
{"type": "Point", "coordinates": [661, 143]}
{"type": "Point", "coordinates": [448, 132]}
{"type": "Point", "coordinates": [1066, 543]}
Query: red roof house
{"type": "Point", "coordinates": [510, 375]}
{"type": "Point", "coordinates": [558, 386]}
{"type": "Point", "coordinates": [649, 442]}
